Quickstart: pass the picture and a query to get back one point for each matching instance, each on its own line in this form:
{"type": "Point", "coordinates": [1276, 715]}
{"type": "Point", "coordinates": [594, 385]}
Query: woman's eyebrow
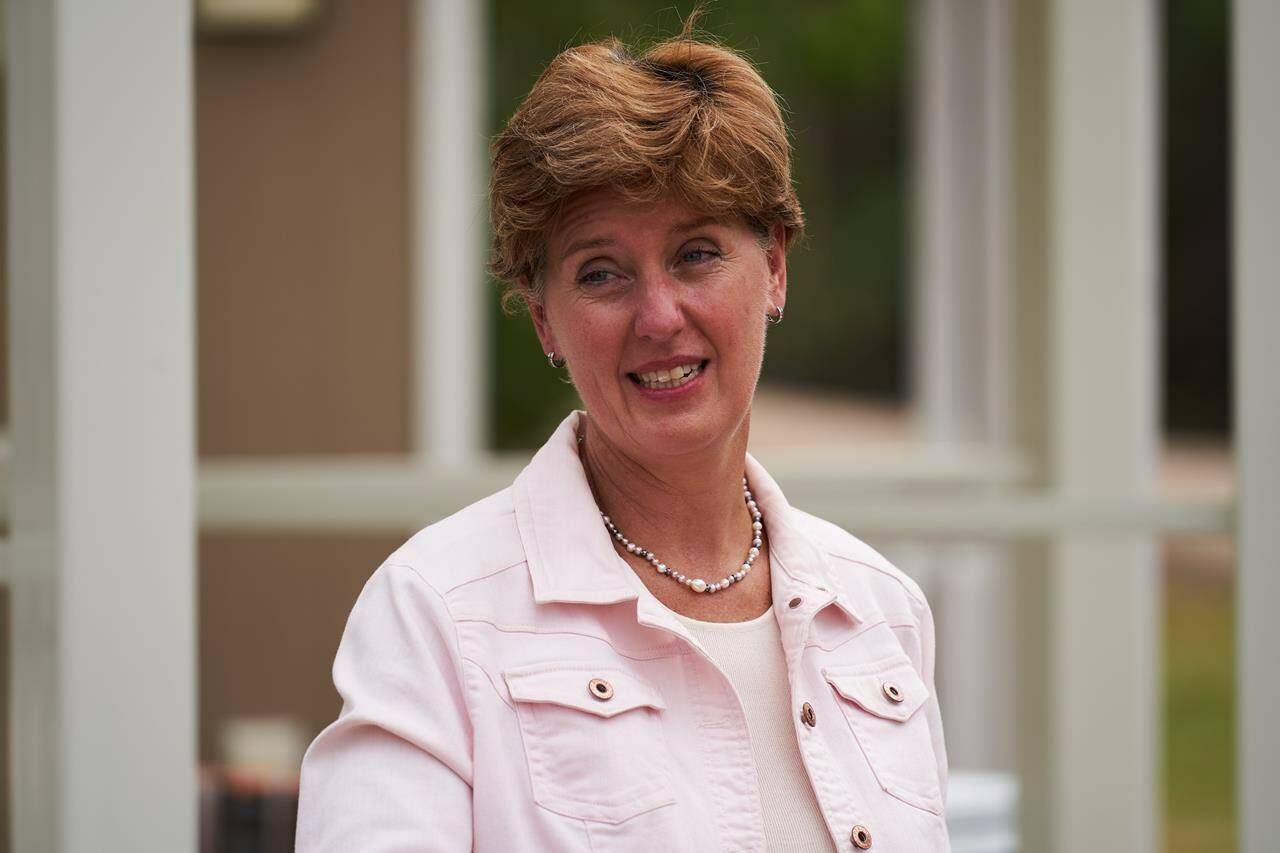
{"type": "Point", "coordinates": [691, 224]}
{"type": "Point", "coordinates": [591, 243]}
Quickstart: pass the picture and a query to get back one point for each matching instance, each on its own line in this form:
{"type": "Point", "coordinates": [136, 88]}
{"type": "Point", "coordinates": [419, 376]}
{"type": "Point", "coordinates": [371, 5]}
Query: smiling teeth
{"type": "Point", "coordinates": [673, 378]}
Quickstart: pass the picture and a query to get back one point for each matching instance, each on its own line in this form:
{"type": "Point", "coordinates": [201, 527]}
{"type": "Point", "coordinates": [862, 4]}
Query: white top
{"type": "Point", "coordinates": [750, 653]}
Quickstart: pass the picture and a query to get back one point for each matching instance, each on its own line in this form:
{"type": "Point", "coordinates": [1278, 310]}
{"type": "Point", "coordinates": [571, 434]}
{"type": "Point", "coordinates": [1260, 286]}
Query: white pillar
{"type": "Point", "coordinates": [450, 325]}
{"type": "Point", "coordinates": [961, 336]}
{"type": "Point", "coordinates": [1101, 720]}
{"type": "Point", "coordinates": [1256, 188]}
{"type": "Point", "coordinates": [102, 517]}
{"type": "Point", "coordinates": [961, 347]}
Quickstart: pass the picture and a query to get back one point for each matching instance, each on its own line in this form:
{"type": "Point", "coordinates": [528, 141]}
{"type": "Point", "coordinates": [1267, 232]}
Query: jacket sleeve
{"type": "Point", "coordinates": [393, 772]}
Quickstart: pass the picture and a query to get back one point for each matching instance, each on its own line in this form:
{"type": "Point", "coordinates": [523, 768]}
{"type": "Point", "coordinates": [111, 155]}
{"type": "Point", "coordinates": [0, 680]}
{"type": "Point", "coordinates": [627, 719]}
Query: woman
{"type": "Point", "coordinates": [639, 645]}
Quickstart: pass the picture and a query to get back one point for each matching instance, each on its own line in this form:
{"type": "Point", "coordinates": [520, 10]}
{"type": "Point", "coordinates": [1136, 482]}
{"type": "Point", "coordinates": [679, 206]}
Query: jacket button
{"type": "Point", "coordinates": [807, 716]}
{"type": "Point", "coordinates": [860, 837]}
{"type": "Point", "coordinates": [600, 689]}
{"type": "Point", "coordinates": [892, 692]}
{"type": "Point", "coordinates": [794, 603]}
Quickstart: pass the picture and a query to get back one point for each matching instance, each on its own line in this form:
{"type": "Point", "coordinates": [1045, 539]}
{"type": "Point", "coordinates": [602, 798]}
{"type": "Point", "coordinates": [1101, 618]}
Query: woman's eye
{"type": "Point", "coordinates": [695, 256]}
{"type": "Point", "coordinates": [596, 276]}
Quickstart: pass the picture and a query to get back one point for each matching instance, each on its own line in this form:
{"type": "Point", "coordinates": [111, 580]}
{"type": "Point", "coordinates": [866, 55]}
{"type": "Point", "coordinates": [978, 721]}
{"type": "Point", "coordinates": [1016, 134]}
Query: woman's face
{"type": "Point", "coordinates": [660, 315]}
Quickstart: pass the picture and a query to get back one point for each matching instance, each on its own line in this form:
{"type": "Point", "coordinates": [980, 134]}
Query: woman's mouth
{"type": "Point", "coordinates": [672, 378]}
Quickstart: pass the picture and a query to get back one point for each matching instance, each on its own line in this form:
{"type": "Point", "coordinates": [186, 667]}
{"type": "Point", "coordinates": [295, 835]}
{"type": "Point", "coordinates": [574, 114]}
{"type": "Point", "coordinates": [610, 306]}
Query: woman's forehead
{"type": "Point", "coordinates": [594, 213]}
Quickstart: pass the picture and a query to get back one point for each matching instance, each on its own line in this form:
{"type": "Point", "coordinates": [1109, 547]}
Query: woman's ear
{"type": "Point", "coordinates": [538, 313]}
{"type": "Point", "coordinates": [777, 260]}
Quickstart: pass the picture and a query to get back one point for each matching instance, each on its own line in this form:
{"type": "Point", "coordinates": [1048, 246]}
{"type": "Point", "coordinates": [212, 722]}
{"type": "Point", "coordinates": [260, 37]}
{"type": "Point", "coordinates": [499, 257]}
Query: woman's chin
{"type": "Point", "coordinates": [672, 435]}
{"type": "Point", "coordinates": [670, 423]}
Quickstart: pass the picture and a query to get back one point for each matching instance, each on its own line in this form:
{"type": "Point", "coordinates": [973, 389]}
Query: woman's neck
{"type": "Point", "coordinates": [688, 511]}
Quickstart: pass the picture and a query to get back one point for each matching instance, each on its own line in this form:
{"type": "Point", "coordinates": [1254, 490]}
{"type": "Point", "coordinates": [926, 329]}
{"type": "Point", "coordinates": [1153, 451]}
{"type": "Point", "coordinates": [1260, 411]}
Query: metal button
{"type": "Point", "coordinates": [860, 837]}
{"type": "Point", "coordinates": [600, 689]}
{"type": "Point", "coordinates": [892, 693]}
{"type": "Point", "coordinates": [794, 603]}
{"type": "Point", "coordinates": [807, 716]}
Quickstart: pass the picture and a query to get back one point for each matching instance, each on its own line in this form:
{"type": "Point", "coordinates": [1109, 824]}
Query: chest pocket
{"type": "Point", "coordinates": [882, 703]}
{"type": "Point", "coordinates": [592, 738]}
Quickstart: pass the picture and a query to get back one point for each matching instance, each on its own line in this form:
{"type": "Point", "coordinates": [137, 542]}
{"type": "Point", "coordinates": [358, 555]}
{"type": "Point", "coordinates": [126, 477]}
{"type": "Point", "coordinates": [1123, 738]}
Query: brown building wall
{"type": "Point", "coordinates": [272, 609]}
{"type": "Point", "coordinates": [302, 235]}
{"type": "Point", "coordinates": [303, 296]}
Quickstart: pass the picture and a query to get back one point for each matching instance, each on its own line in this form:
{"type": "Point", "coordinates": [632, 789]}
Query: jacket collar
{"type": "Point", "coordinates": [571, 557]}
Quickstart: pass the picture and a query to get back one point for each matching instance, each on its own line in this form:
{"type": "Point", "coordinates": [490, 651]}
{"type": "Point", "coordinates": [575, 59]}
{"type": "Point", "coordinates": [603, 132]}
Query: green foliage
{"type": "Point", "coordinates": [1199, 677]}
{"type": "Point", "coordinates": [840, 69]}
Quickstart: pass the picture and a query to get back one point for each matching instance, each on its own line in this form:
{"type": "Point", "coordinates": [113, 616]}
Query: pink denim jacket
{"type": "Point", "coordinates": [469, 720]}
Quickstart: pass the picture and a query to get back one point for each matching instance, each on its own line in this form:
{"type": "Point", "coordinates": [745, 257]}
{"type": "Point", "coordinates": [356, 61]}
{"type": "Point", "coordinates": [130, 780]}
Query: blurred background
{"type": "Point", "coordinates": [1006, 363]}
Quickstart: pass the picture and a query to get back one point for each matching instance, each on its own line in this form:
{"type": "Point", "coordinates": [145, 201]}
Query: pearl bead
{"type": "Point", "coordinates": [755, 525]}
{"type": "Point", "coordinates": [698, 585]}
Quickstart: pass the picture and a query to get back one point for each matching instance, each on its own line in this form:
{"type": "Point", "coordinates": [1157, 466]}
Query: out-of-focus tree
{"type": "Point", "coordinates": [1197, 224]}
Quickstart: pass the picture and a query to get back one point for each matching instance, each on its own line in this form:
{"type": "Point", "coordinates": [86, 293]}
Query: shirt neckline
{"type": "Point", "coordinates": [726, 627]}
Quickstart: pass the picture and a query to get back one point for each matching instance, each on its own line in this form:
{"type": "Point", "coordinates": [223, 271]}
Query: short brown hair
{"type": "Point", "coordinates": [687, 119]}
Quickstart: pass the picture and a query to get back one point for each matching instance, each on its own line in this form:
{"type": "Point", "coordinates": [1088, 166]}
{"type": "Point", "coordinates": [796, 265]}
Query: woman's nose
{"type": "Point", "coordinates": [659, 313]}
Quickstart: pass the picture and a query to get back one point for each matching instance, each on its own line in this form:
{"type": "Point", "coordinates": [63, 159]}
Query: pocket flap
{"type": "Point", "coordinates": [578, 685]}
{"type": "Point", "coordinates": [891, 689]}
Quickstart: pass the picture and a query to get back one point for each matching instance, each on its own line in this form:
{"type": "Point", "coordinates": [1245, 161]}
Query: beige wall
{"type": "Point", "coordinates": [272, 610]}
{"type": "Point", "coordinates": [302, 250]}
{"type": "Point", "coordinates": [302, 245]}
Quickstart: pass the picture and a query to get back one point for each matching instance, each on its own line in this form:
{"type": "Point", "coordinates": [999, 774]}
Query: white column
{"type": "Point", "coordinates": [961, 346]}
{"type": "Point", "coordinates": [102, 562]}
{"type": "Point", "coordinates": [961, 337]}
{"type": "Point", "coordinates": [1256, 130]}
{"type": "Point", "coordinates": [1101, 723]}
{"type": "Point", "coordinates": [450, 326]}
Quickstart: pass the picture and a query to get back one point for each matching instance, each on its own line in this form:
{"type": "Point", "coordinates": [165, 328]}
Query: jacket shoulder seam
{"type": "Point", "coordinates": [908, 586]}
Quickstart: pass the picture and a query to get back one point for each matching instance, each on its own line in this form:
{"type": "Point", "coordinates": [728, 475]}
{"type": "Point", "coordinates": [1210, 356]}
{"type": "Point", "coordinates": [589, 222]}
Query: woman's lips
{"type": "Point", "coordinates": [669, 378]}
{"type": "Point", "coordinates": [675, 381]}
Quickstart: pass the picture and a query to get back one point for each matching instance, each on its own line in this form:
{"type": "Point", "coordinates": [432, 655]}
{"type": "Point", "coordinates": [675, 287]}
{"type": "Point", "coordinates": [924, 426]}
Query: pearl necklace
{"type": "Point", "coordinates": [698, 584]}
